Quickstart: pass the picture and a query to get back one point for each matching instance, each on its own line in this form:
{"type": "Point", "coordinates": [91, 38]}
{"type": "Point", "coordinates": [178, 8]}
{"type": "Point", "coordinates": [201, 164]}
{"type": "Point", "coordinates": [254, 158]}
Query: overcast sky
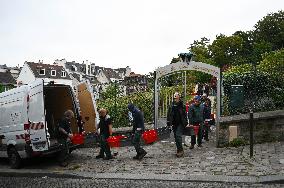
{"type": "Point", "coordinates": [142, 34]}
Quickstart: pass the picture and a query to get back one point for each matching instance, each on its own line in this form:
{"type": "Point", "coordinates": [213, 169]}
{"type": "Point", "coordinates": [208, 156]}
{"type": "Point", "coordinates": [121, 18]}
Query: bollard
{"type": "Point", "coordinates": [251, 133]}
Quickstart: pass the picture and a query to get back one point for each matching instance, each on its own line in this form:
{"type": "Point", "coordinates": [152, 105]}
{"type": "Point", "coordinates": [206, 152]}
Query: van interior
{"type": "Point", "coordinates": [58, 99]}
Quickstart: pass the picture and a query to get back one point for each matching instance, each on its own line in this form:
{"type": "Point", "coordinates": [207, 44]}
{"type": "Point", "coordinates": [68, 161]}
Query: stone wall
{"type": "Point", "coordinates": [268, 127]}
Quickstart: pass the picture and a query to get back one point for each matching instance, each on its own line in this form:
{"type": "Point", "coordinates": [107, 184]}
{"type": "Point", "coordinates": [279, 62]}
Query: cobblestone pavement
{"type": "Point", "coordinates": [19, 182]}
{"type": "Point", "coordinates": [208, 160]}
{"type": "Point", "coordinates": [204, 162]}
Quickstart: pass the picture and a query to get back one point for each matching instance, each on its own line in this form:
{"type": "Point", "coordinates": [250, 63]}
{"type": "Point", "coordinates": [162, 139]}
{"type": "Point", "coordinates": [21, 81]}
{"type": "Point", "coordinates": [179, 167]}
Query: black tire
{"type": "Point", "coordinates": [14, 158]}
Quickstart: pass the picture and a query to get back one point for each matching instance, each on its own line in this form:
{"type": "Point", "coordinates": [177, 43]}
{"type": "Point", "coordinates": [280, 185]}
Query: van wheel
{"type": "Point", "coordinates": [14, 158]}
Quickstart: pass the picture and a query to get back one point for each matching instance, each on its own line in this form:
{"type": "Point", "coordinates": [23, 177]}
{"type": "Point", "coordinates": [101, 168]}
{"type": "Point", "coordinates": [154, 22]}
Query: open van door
{"type": "Point", "coordinates": [87, 107]}
{"type": "Point", "coordinates": [36, 115]}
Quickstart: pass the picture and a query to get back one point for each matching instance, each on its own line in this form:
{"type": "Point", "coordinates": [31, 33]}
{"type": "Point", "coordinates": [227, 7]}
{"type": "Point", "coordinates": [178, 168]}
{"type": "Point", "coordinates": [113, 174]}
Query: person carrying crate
{"type": "Point", "coordinates": [196, 119]}
{"type": "Point", "coordinates": [105, 131]}
{"type": "Point", "coordinates": [138, 129]}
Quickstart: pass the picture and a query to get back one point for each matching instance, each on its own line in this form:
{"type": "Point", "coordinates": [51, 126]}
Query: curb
{"type": "Point", "coordinates": [270, 179]}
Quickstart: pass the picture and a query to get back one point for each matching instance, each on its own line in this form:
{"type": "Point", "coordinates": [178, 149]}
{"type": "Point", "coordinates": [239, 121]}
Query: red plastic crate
{"type": "Point", "coordinates": [114, 141]}
{"type": "Point", "coordinates": [196, 129]}
{"type": "Point", "coordinates": [77, 139]}
{"type": "Point", "coordinates": [150, 136]}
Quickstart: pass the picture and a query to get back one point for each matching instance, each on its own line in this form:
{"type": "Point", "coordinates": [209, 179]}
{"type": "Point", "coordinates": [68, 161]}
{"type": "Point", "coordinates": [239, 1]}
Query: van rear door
{"type": "Point", "coordinates": [36, 115]}
{"type": "Point", "coordinates": [87, 107]}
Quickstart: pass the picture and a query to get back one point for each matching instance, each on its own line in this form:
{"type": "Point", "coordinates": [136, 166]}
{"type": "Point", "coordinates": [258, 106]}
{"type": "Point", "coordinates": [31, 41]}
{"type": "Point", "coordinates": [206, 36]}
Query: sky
{"type": "Point", "coordinates": [141, 34]}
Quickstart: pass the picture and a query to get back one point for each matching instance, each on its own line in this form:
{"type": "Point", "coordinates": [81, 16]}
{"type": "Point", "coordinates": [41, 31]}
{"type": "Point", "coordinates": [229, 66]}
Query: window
{"type": "Point", "coordinates": [63, 74]}
{"type": "Point", "coordinates": [42, 72]}
{"type": "Point", "coordinates": [53, 73]}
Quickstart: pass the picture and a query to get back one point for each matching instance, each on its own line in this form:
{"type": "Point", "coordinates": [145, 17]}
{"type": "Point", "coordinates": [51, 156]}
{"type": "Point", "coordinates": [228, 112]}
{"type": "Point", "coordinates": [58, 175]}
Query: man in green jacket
{"type": "Point", "coordinates": [195, 117]}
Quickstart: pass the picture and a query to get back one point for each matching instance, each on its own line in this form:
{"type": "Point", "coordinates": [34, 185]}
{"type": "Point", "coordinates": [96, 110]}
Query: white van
{"type": "Point", "coordinates": [29, 115]}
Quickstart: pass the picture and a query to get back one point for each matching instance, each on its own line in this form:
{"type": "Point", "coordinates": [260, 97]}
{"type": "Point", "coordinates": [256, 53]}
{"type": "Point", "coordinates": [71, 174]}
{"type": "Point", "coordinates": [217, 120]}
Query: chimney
{"type": "Point", "coordinates": [87, 67]}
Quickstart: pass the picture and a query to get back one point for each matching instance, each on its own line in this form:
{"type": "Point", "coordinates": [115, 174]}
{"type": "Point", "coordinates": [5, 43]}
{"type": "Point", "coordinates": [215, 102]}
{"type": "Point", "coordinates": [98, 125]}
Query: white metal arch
{"type": "Point", "coordinates": [183, 66]}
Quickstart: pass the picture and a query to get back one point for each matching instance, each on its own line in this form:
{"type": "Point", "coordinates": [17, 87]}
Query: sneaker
{"type": "Point", "coordinates": [191, 147]}
{"type": "Point", "coordinates": [142, 155]}
{"type": "Point", "coordinates": [99, 156]}
{"type": "Point", "coordinates": [200, 145]}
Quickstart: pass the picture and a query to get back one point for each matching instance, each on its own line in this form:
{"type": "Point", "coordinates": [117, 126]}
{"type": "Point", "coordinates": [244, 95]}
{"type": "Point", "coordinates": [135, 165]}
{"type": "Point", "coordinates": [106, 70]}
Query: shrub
{"type": "Point", "coordinates": [236, 142]}
{"type": "Point", "coordinates": [117, 107]}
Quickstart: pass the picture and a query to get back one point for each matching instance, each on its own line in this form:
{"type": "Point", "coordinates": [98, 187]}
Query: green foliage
{"type": "Point", "coordinates": [2, 88]}
{"type": "Point", "coordinates": [5, 87]}
{"type": "Point", "coordinates": [150, 81]}
{"type": "Point", "coordinates": [246, 52]}
{"type": "Point", "coordinates": [263, 86]}
{"type": "Point", "coordinates": [225, 50]}
{"type": "Point", "coordinates": [270, 30]}
{"type": "Point", "coordinates": [237, 142]}
{"type": "Point", "coordinates": [112, 91]}
{"type": "Point", "coordinates": [117, 107]}
{"type": "Point", "coordinates": [200, 50]}
{"type": "Point", "coordinates": [201, 54]}
{"type": "Point", "coordinates": [273, 63]}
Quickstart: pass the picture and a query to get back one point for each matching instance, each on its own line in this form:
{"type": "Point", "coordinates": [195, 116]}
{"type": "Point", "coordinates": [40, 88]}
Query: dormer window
{"type": "Point", "coordinates": [42, 72]}
{"type": "Point", "coordinates": [63, 74]}
{"type": "Point", "coordinates": [53, 72]}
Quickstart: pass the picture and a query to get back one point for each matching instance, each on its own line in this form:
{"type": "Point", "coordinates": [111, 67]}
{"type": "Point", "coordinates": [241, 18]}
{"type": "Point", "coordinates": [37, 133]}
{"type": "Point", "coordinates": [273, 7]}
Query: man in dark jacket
{"type": "Point", "coordinates": [105, 130]}
{"type": "Point", "coordinates": [64, 129]}
{"type": "Point", "coordinates": [138, 129]}
{"type": "Point", "coordinates": [176, 119]}
{"type": "Point", "coordinates": [195, 117]}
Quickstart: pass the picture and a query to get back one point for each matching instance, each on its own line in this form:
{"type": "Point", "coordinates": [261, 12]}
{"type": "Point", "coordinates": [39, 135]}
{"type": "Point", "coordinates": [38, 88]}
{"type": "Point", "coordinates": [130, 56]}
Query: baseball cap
{"type": "Point", "coordinates": [197, 97]}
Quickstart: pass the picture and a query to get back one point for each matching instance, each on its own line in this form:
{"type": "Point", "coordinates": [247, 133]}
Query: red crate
{"type": "Point", "coordinates": [114, 141]}
{"type": "Point", "coordinates": [196, 129]}
{"type": "Point", "coordinates": [150, 136]}
{"type": "Point", "coordinates": [77, 139]}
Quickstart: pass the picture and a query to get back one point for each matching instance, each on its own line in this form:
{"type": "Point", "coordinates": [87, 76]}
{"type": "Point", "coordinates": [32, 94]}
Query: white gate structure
{"type": "Point", "coordinates": [184, 66]}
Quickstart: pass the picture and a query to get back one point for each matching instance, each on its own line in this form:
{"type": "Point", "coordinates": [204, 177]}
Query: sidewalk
{"type": "Point", "coordinates": [200, 164]}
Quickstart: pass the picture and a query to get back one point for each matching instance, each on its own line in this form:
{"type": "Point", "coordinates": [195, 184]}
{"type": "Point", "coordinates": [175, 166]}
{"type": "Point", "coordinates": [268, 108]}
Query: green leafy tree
{"type": "Point", "coordinates": [273, 63]}
{"type": "Point", "coordinates": [270, 30]}
{"type": "Point", "coordinates": [111, 92]}
{"type": "Point", "coordinates": [150, 81]}
{"type": "Point", "coordinates": [118, 107]}
{"type": "Point", "coordinates": [246, 52]}
{"type": "Point", "coordinates": [200, 49]}
{"type": "Point", "coordinates": [226, 50]}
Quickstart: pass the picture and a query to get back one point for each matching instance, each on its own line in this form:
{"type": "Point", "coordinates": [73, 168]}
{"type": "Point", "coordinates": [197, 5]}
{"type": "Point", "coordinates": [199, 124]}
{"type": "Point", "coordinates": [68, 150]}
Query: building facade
{"type": "Point", "coordinates": [135, 83]}
{"type": "Point", "coordinates": [49, 73]}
